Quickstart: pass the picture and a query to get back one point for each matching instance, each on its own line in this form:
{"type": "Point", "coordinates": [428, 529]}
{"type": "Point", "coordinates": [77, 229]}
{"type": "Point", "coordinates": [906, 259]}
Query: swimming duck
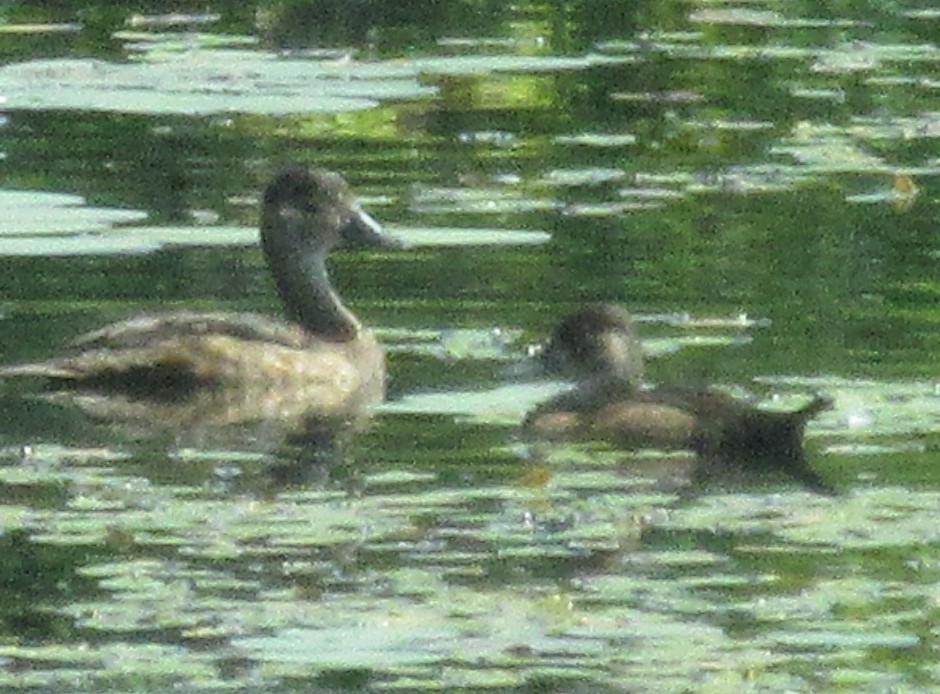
{"type": "Point", "coordinates": [597, 347]}
{"type": "Point", "coordinates": [321, 348]}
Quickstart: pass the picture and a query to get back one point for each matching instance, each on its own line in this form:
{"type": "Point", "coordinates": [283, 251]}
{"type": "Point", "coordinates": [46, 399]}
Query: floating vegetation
{"type": "Point", "coordinates": [687, 320]}
{"type": "Point", "coordinates": [757, 179]}
{"type": "Point", "coordinates": [429, 200]}
{"type": "Point", "coordinates": [929, 14]}
{"type": "Point", "coordinates": [35, 213]}
{"type": "Point", "coordinates": [217, 81]}
{"type": "Point", "coordinates": [732, 125]}
{"type": "Point", "coordinates": [497, 138]}
{"type": "Point", "coordinates": [504, 404]}
{"type": "Point", "coordinates": [58, 224]}
{"type": "Point", "coordinates": [490, 42]}
{"type": "Point", "coordinates": [863, 56]}
{"type": "Point", "coordinates": [171, 20]}
{"type": "Point", "coordinates": [596, 140]}
{"type": "Point", "coordinates": [764, 18]}
{"type": "Point", "coordinates": [825, 149]}
{"type": "Point", "coordinates": [737, 53]}
{"type": "Point", "coordinates": [467, 236]}
{"type": "Point", "coordinates": [834, 94]}
{"type": "Point", "coordinates": [671, 97]}
{"type": "Point", "coordinates": [39, 28]}
{"type": "Point", "coordinates": [738, 15]}
{"type": "Point", "coordinates": [151, 45]}
{"type": "Point", "coordinates": [202, 74]}
{"type": "Point", "coordinates": [866, 519]}
{"type": "Point", "coordinates": [651, 194]}
{"type": "Point", "coordinates": [456, 343]}
{"type": "Point", "coordinates": [852, 58]}
{"type": "Point", "coordinates": [609, 209]}
{"type": "Point", "coordinates": [582, 177]}
{"type": "Point", "coordinates": [124, 240]}
{"type": "Point", "coordinates": [466, 343]}
{"type": "Point", "coordinates": [925, 125]}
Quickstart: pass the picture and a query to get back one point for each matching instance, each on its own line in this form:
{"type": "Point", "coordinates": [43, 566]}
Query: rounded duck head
{"type": "Point", "coordinates": [315, 208]}
{"type": "Point", "coordinates": [596, 343]}
{"type": "Point", "coordinates": [322, 352]}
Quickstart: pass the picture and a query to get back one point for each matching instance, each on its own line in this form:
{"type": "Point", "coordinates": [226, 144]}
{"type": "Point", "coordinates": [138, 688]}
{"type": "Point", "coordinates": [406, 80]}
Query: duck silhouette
{"type": "Point", "coordinates": [597, 347]}
{"type": "Point", "coordinates": [224, 366]}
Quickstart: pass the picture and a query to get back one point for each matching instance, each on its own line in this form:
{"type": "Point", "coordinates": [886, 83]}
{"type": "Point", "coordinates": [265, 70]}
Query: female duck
{"type": "Point", "coordinates": [598, 348]}
{"type": "Point", "coordinates": [321, 348]}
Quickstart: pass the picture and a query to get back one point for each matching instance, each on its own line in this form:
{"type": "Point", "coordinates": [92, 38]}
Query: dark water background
{"type": "Point", "coordinates": [770, 168]}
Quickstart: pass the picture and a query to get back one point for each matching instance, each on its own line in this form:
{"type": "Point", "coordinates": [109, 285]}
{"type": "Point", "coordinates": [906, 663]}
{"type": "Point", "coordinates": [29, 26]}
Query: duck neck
{"type": "Point", "coordinates": [303, 282]}
{"type": "Point", "coordinates": [609, 384]}
{"type": "Point", "coordinates": [593, 392]}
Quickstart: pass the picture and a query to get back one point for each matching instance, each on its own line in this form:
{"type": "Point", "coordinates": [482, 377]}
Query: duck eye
{"type": "Point", "coordinates": [311, 201]}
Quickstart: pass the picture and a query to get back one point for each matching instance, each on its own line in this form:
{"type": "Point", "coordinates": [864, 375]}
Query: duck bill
{"type": "Point", "coordinates": [551, 360]}
{"type": "Point", "coordinates": [362, 231]}
{"type": "Point", "coordinates": [542, 361]}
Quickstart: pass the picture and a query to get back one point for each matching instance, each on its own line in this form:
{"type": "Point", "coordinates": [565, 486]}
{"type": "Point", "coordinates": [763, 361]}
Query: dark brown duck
{"type": "Point", "coordinates": [597, 347]}
{"type": "Point", "coordinates": [321, 348]}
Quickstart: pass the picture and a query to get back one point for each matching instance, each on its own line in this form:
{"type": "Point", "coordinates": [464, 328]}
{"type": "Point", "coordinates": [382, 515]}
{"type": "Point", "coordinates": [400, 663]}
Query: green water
{"type": "Point", "coordinates": [767, 168]}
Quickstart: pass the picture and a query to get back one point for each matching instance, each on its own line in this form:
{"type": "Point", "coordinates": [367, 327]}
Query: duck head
{"type": "Point", "coordinates": [305, 213]}
{"type": "Point", "coordinates": [315, 209]}
{"type": "Point", "coordinates": [595, 344]}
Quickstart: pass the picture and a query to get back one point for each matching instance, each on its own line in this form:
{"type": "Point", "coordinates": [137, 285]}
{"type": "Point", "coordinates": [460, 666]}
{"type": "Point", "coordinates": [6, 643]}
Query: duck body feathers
{"type": "Point", "coordinates": [597, 348]}
{"type": "Point", "coordinates": [705, 420]}
{"type": "Point", "coordinates": [173, 355]}
{"type": "Point", "coordinates": [142, 331]}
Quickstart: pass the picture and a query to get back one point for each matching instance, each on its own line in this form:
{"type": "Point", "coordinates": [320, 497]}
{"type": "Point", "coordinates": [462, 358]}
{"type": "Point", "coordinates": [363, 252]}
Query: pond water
{"type": "Point", "coordinates": [757, 181]}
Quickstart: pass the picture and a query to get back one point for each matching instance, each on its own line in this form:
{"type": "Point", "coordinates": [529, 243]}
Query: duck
{"type": "Point", "coordinates": [598, 349]}
{"type": "Point", "coordinates": [320, 352]}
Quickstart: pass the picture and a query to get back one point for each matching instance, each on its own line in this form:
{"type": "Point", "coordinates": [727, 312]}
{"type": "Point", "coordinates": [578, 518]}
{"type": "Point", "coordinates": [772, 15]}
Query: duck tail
{"type": "Point", "coordinates": [800, 470]}
{"type": "Point", "coordinates": [820, 403]}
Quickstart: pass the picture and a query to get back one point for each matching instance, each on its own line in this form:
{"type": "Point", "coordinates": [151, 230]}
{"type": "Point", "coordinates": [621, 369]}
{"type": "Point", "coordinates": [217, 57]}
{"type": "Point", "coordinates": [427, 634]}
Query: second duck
{"type": "Point", "coordinates": [598, 349]}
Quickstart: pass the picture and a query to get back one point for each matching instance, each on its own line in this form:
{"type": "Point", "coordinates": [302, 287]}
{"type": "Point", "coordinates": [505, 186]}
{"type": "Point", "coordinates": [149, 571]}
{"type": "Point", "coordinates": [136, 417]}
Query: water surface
{"type": "Point", "coordinates": [757, 182]}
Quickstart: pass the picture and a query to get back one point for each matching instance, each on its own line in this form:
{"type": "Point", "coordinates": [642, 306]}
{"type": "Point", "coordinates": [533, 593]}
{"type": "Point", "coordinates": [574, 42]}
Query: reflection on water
{"type": "Point", "coordinates": [757, 182]}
